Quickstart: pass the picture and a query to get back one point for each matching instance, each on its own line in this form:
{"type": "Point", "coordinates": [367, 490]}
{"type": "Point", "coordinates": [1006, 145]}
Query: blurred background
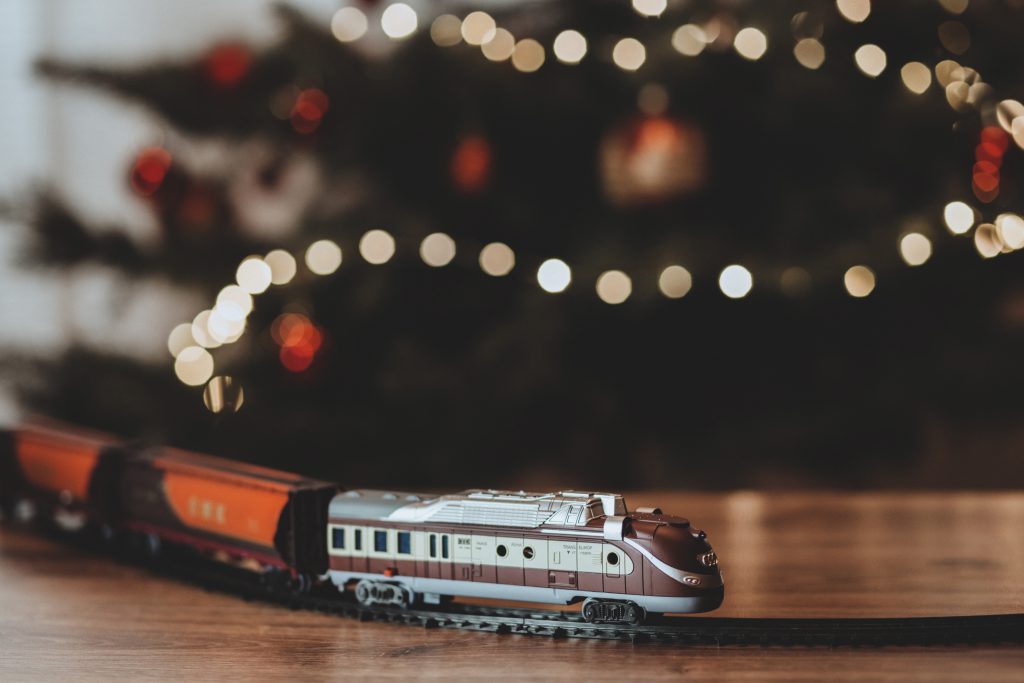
{"type": "Point", "coordinates": [602, 243]}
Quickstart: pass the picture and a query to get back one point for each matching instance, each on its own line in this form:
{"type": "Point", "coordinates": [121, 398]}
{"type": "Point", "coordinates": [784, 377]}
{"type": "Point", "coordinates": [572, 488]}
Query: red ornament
{"type": "Point", "coordinates": [308, 110]}
{"type": "Point", "coordinates": [471, 164]}
{"type": "Point", "coordinates": [299, 339]}
{"type": "Point", "coordinates": [149, 170]}
{"type": "Point", "coordinates": [227, 65]}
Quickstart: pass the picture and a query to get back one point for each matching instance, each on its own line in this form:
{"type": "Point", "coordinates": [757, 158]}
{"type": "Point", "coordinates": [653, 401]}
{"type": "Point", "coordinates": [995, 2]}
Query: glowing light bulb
{"type": "Point", "coordinates": [193, 366]}
{"type": "Point", "coordinates": [870, 59]}
{"type": "Point", "coordinates": [689, 40]}
{"type": "Point", "coordinates": [323, 257]}
{"type": "Point", "coordinates": [528, 55]}
{"type": "Point", "coordinates": [650, 8]}
{"type": "Point", "coordinates": [854, 11]}
{"type": "Point", "coordinates": [915, 249]}
{"type": "Point", "coordinates": [478, 28]}
{"type": "Point", "coordinates": [253, 275]}
{"type": "Point", "coordinates": [180, 338]}
{"type": "Point", "coordinates": [810, 53]}
{"type": "Point", "coordinates": [554, 276]}
{"type": "Point", "coordinates": [916, 76]}
{"type": "Point", "coordinates": [500, 47]}
{"type": "Point", "coordinates": [201, 332]}
{"type": "Point", "coordinates": [446, 30]}
{"type": "Point", "coordinates": [735, 281]}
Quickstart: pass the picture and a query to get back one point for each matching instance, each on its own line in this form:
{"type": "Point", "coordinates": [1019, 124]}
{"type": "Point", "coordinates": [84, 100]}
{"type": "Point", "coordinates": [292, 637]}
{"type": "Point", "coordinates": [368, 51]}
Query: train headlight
{"type": "Point", "coordinates": [708, 559]}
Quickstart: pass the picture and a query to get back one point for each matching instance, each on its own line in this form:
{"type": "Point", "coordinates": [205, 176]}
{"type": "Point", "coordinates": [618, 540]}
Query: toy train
{"type": "Point", "coordinates": [392, 548]}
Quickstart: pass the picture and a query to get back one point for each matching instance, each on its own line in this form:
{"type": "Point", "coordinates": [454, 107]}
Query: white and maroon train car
{"type": "Point", "coordinates": [553, 548]}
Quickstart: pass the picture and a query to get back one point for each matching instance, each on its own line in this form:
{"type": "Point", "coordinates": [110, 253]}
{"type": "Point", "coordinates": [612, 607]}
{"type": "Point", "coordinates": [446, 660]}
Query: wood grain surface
{"type": "Point", "coordinates": [68, 615]}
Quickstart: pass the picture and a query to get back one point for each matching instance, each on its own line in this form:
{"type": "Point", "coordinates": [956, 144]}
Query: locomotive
{"type": "Point", "coordinates": [391, 548]}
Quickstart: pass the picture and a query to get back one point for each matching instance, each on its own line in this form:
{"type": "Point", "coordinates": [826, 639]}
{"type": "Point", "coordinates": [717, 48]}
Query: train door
{"type": "Point", "coordinates": [510, 560]}
{"type": "Point", "coordinates": [485, 557]}
{"type": "Point", "coordinates": [614, 570]}
{"type": "Point", "coordinates": [437, 555]}
{"type": "Point", "coordinates": [562, 564]}
{"type": "Point", "coordinates": [462, 556]}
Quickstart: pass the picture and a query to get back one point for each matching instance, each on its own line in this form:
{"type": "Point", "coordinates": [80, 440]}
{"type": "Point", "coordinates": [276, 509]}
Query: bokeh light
{"type": "Point", "coordinates": [959, 217]}
{"type": "Point", "coordinates": [299, 340]}
{"type": "Point", "coordinates": [398, 21]}
{"type": "Point", "coordinates": [689, 40]}
{"type": "Point", "coordinates": [437, 249]}
{"type": "Point", "coordinates": [180, 338]}
{"type": "Point", "coordinates": [497, 259]}
{"type": "Point", "coordinates": [570, 47]}
{"type": "Point", "coordinates": [735, 281]}
{"type": "Point", "coordinates": [193, 366]}
{"type": "Point", "coordinates": [810, 53]}
{"type": "Point", "coordinates": [795, 282]}
{"type": "Point", "coordinates": [201, 331]}
{"type": "Point", "coordinates": [377, 247]}
{"type": "Point", "coordinates": [751, 43]}
{"type": "Point", "coordinates": [323, 257]}
{"type": "Point", "coordinates": [650, 8]}
{"type": "Point", "coordinates": [870, 59]}
{"type": "Point", "coordinates": [234, 303]}
{"type": "Point", "coordinates": [223, 394]}
{"type": "Point", "coordinates": [916, 76]}
{"type": "Point", "coordinates": [987, 240]}
{"type": "Point", "coordinates": [629, 54]}
{"type": "Point", "coordinates": [528, 55]}
{"type": "Point", "coordinates": [253, 275]}
{"type": "Point", "coordinates": [1011, 230]}
{"type": "Point", "coordinates": [614, 287]}
{"type": "Point", "coordinates": [859, 281]}
{"type": "Point", "coordinates": [478, 28]}
{"type": "Point", "coordinates": [554, 275]}
{"type": "Point", "coordinates": [282, 266]}
{"type": "Point", "coordinates": [675, 282]}
{"type": "Point", "coordinates": [500, 47]}
{"type": "Point", "coordinates": [915, 248]}
{"type": "Point", "coordinates": [854, 11]}
{"type": "Point", "coordinates": [446, 30]}
{"type": "Point", "coordinates": [348, 24]}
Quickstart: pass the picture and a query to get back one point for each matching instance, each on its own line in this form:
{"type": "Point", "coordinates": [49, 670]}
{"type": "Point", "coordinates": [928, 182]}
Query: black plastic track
{"type": "Point", "coordinates": [997, 628]}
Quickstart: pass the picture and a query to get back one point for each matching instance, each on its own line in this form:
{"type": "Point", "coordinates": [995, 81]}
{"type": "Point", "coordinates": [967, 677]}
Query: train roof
{"type": "Point", "coordinates": [479, 507]}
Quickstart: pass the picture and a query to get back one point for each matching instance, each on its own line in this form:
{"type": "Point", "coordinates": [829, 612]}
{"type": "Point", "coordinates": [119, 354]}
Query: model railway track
{"type": "Point", "coordinates": [713, 631]}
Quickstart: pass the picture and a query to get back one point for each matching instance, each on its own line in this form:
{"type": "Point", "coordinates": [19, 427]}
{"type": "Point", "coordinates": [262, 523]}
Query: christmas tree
{"type": "Point", "coordinates": [577, 243]}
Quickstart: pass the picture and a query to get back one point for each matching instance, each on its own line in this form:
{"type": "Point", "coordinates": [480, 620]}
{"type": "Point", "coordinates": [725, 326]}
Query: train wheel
{"type": "Point", "coordinates": [612, 612]}
{"type": "Point", "coordinates": [369, 592]}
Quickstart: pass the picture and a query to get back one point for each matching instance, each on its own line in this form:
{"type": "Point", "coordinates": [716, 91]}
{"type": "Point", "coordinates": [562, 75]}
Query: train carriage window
{"type": "Point", "coordinates": [613, 558]}
{"type": "Point", "coordinates": [502, 551]}
{"type": "Point", "coordinates": [404, 543]}
{"type": "Point", "coordinates": [444, 547]}
{"type": "Point", "coordinates": [338, 538]}
{"type": "Point", "coordinates": [358, 539]}
{"type": "Point", "coordinates": [380, 541]}
{"type": "Point", "coordinates": [433, 545]}
{"type": "Point", "coordinates": [528, 552]}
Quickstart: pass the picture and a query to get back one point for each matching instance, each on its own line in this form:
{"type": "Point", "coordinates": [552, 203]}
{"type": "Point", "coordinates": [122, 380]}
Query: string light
{"type": "Point", "coordinates": [859, 281]}
{"type": "Point", "coordinates": [614, 287]}
{"type": "Point", "coordinates": [915, 248]}
{"type": "Point", "coordinates": [750, 43]}
{"type": "Point", "coordinates": [398, 21]}
{"type": "Point", "coordinates": [629, 54]}
{"type": "Point", "coordinates": [954, 6]}
{"type": "Point", "coordinates": [1011, 230]}
{"type": "Point", "coordinates": [478, 28]}
{"type": "Point", "coordinates": [234, 303]}
{"type": "Point", "coordinates": [810, 53]}
{"type": "Point", "coordinates": [528, 55]}
{"type": "Point", "coordinates": [437, 249]}
{"type": "Point", "coordinates": [323, 257]}
{"type": "Point", "coordinates": [348, 24]}
{"type": "Point", "coordinates": [570, 47]}
{"type": "Point", "coordinates": [735, 281]}
{"type": "Point", "coordinates": [222, 394]}
{"type": "Point", "coordinates": [870, 59]}
{"type": "Point", "coordinates": [554, 276]}
{"type": "Point", "coordinates": [282, 266]}
{"type": "Point", "coordinates": [446, 30]}
{"type": "Point", "coordinates": [689, 40]}
{"type": "Point", "coordinates": [253, 275]}
{"type": "Point", "coordinates": [987, 241]}
{"type": "Point", "coordinates": [959, 217]}
{"type": "Point", "coordinates": [854, 11]}
{"type": "Point", "coordinates": [377, 247]}
{"type": "Point", "coordinates": [497, 259]}
{"type": "Point", "coordinates": [201, 332]}
{"type": "Point", "coordinates": [916, 76]}
{"type": "Point", "coordinates": [675, 282]}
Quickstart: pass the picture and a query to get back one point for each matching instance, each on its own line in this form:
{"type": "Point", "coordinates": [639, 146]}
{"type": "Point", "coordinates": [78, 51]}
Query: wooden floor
{"type": "Point", "coordinates": [68, 615]}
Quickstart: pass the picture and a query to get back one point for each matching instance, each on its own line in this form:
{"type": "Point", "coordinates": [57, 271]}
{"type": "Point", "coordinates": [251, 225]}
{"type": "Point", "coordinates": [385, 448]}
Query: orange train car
{"type": "Point", "coordinates": [220, 505]}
